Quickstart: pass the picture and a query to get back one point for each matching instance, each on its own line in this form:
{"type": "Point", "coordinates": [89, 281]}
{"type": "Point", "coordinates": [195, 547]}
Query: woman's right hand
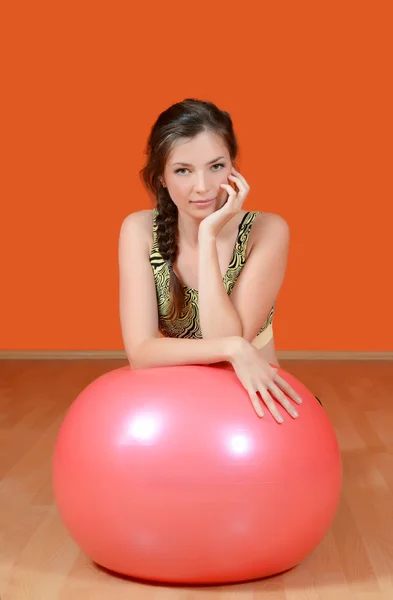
{"type": "Point", "coordinates": [259, 376]}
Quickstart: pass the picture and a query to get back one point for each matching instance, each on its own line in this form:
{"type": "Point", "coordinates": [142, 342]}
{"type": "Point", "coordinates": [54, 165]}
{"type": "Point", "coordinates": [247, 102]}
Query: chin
{"type": "Point", "coordinates": [201, 214]}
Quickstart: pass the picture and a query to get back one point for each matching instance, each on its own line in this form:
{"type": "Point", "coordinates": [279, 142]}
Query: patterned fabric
{"type": "Point", "coordinates": [188, 324]}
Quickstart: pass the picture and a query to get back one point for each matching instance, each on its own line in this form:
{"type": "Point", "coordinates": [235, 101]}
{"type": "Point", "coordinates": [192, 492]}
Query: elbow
{"type": "Point", "coordinates": [133, 358]}
{"type": "Point", "coordinates": [136, 364]}
{"type": "Point", "coordinates": [137, 356]}
{"type": "Point", "coordinates": [132, 363]}
{"type": "Point", "coordinates": [135, 361]}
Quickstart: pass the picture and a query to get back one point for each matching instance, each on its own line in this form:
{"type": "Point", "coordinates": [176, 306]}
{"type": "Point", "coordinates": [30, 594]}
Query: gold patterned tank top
{"type": "Point", "coordinates": [187, 325]}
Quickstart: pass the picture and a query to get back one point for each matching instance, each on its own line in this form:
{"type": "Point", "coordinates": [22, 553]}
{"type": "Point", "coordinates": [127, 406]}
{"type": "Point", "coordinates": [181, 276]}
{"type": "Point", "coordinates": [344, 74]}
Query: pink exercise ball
{"type": "Point", "coordinates": [168, 474]}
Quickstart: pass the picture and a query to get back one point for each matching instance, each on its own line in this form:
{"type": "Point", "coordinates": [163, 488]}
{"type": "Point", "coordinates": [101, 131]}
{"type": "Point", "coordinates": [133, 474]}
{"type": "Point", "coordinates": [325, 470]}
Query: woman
{"type": "Point", "coordinates": [198, 268]}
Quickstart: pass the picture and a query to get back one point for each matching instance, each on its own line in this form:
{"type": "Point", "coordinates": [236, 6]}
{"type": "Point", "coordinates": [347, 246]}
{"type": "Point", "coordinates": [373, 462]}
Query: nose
{"type": "Point", "coordinates": [201, 183]}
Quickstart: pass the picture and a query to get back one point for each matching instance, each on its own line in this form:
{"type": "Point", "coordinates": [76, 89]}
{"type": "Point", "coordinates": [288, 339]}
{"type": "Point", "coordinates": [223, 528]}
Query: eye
{"type": "Point", "coordinates": [221, 165]}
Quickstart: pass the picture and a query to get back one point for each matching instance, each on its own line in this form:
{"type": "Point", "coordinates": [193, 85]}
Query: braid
{"type": "Point", "coordinates": [167, 239]}
{"type": "Point", "coordinates": [167, 228]}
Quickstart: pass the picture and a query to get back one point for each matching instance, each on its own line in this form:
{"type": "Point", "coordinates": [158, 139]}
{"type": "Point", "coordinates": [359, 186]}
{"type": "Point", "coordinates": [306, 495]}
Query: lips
{"type": "Point", "coordinates": [203, 201]}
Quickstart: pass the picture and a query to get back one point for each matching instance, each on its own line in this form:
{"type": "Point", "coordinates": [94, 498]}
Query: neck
{"type": "Point", "coordinates": [188, 229]}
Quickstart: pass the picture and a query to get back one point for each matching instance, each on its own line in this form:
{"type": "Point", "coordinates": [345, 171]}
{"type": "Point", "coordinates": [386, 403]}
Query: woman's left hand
{"type": "Point", "coordinates": [233, 203]}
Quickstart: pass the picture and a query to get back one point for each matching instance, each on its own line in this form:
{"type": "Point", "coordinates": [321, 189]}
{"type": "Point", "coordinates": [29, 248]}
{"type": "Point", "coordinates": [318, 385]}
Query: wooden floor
{"type": "Point", "coordinates": [39, 561]}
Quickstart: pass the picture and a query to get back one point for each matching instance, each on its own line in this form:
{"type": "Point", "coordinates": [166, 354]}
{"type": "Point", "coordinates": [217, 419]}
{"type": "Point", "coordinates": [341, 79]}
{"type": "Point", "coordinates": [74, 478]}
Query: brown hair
{"type": "Point", "coordinates": [184, 119]}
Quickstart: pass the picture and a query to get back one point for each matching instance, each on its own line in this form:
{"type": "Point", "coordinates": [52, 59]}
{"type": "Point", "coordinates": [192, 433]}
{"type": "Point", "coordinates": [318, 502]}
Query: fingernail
{"type": "Point", "coordinates": [295, 414]}
{"type": "Point", "coordinates": [280, 420]}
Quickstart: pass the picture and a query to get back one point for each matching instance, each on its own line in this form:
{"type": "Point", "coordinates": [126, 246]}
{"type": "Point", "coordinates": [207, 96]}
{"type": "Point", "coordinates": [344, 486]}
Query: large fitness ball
{"type": "Point", "coordinates": [168, 474]}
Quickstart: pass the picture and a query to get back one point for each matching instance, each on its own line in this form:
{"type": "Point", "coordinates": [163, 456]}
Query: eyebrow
{"type": "Point", "coordinates": [190, 165]}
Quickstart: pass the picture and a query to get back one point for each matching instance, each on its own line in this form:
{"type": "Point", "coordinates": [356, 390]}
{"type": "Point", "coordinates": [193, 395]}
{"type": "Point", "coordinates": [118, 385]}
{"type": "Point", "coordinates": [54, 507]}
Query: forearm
{"type": "Point", "coordinates": [218, 316]}
{"type": "Point", "coordinates": [165, 352]}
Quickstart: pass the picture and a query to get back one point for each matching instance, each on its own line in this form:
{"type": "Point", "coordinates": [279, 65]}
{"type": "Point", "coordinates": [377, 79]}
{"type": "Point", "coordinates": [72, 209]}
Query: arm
{"type": "Point", "coordinates": [257, 288]}
{"type": "Point", "coordinates": [263, 274]}
{"type": "Point", "coordinates": [139, 312]}
{"type": "Point", "coordinates": [166, 352]}
{"type": "Point", "coordinates": [218, 316]}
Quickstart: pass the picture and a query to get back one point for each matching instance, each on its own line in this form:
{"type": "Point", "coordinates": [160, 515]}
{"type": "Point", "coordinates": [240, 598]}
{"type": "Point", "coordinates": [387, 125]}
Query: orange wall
{"type": "Point", "coordinates": [309, 86]}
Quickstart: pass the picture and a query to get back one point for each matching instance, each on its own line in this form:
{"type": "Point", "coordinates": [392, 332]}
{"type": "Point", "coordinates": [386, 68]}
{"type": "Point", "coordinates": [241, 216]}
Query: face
{"type": "Point", "coordinates": [194, 172]}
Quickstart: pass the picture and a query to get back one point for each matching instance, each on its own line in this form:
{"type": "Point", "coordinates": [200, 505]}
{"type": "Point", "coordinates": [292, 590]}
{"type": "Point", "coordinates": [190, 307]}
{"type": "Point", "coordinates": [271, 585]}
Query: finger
{"type": "Point", "coordinates": [240, 176]}
{"type": "Point", "coordinates": [289, 391]}
{"type": "Point", "coordinates": [271, 405]}
{"type": "Point", "coordinates": [240, 184]}
{"type": "Point", "coordinates": [256, 403]}
{"type": "Point", "coordinates": [243, 191]}
{"type": "Point", "coordinates": [231, 192]}
{"type": "Point", "coordinates": [283, 400]}
{"type": "Point", "coordinates": [223, 198]}
{"type": "Point", "coordinates": [230, 204]}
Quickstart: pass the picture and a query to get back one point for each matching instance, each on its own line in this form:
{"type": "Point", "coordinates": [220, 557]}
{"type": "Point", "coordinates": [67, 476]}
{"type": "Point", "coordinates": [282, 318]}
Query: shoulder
{"type": "Point", "coordinates": [269, 228]}
{"type": "Point", "coordinates": [138, 226]}
{"type": "Point", "coordinates": [141, 220]}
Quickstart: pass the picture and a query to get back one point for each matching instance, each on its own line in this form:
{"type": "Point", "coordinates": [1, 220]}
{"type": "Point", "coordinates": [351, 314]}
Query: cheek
{"type": "Point", "coordinates": [179, 191]}
{"type": "Point", "coordinates": [180, 187]}
{"type": "Point", "coordinates": [224, 175]}
{"type": "Point", "coordinates": [224, 179]}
